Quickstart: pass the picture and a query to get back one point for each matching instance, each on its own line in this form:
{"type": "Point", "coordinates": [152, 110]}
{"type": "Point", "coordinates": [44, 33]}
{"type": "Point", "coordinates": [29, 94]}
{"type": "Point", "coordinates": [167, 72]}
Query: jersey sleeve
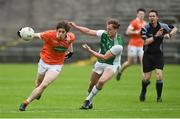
{"type": "Point", "coordinates": [116, 50]}
{"type": "Point", "coordinates": [45, 36]}
{"type": "Point", "coordinates": [170, 26]}
{"type": "Point", "coordinates": [133, 24]}
{"type": "Point", "coordinates": [100, 32]}
{"type": "Point", "coordinates": [72, 37]}
{"type": "Point", "coordinates": [166, 27]}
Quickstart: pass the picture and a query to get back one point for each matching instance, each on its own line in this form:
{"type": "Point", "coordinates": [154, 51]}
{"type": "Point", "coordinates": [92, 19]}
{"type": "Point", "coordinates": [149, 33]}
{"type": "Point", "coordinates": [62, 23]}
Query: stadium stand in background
{"type": "Point", "coordinates": [44, 14]}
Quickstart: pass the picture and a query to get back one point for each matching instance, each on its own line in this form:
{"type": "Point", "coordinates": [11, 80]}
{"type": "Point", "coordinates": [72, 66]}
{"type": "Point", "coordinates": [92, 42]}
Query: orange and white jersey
{"type": "Point", "coordinates": [53, 51]}
{"type": "Point", "coordinates": [135, 39]}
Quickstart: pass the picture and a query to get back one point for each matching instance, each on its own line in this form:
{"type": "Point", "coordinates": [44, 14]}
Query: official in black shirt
{"type": "Point", "coordinates": [153, 34]}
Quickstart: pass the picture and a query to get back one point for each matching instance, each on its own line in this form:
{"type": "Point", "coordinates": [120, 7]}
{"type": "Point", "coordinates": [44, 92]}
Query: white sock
{"type": "Point", "coordinates": [93, 92]}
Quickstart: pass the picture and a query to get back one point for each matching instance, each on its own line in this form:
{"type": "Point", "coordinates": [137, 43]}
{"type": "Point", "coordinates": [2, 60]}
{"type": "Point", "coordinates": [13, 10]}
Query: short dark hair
{"type": "Point", "coordinates": [141, 9]}
{"type": "Point", "coordinates": [63, 24]}
{"type": "Point", "coordinates": [155, 11]}
{"type": "Point", "coordinates": [114, 22]}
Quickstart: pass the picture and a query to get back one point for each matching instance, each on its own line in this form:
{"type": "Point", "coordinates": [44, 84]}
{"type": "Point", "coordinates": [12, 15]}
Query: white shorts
{"type": "Point", "coordinates": [44, 67]}
{"type": "Point", "coordinates": [99, 67]}
{"type": "Point", "coordinates": [135, 51]}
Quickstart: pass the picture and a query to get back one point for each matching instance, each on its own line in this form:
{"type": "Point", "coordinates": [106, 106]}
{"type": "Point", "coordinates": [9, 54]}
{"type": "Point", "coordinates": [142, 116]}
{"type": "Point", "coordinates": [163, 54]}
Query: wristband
{"type": "Point", "coordinates": [69, 55]}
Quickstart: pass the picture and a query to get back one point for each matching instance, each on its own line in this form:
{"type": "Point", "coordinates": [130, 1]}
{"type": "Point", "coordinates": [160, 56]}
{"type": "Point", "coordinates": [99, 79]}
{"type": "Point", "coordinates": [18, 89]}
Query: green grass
{"type": "Point", "coordinates": [64, 97]}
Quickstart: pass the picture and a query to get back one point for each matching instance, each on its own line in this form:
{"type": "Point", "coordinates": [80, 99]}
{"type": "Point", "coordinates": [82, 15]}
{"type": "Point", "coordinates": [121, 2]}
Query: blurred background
{"type": "Point", "coordinates": [43, 15]}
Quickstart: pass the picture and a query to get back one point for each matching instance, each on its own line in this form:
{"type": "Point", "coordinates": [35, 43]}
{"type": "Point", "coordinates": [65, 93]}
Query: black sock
{"type": "Point", "coordinates": [145, 83]}
{"type": "Point", "coordinates": [159, 87]}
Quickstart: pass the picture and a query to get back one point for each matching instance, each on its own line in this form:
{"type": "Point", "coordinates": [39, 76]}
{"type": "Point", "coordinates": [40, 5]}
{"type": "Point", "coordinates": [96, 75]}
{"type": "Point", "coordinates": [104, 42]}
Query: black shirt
{"type": "Point", "coordinates": [148, 31]}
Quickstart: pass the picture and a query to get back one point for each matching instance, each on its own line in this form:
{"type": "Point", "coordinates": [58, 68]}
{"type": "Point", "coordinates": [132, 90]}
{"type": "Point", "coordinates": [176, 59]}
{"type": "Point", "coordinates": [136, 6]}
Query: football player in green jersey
{"type": "Point", "coordinates": [108, 57]}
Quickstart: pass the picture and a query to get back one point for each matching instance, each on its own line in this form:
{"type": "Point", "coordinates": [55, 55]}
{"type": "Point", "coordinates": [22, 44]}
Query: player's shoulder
{"type": "Point", "coordinates": [146, 26]}
{"type": "Point", "coordinates": [49, 32]}
{"type": "Point", "coordinates": [101, 33]}
{"type": "Point", "coordinates": [71, 35]}
{"type": "Point", "coordinates": [134, 21]}
{"type": "Point", "coordinates": [163, 24]}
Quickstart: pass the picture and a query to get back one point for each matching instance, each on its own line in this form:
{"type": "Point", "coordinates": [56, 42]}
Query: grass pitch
{"type": "Point", "coordinates": [63, 98]}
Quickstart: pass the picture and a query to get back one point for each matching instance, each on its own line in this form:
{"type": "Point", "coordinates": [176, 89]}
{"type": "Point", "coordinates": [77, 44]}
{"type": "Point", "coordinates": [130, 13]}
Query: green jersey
{"type": "Point", "coordinates": [108, 44]}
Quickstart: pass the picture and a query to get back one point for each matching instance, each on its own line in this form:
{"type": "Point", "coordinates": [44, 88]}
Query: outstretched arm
{"type": "Point", "coordinates": [37, 35]}
{"type": "Point", "coordinates": [84, 30]}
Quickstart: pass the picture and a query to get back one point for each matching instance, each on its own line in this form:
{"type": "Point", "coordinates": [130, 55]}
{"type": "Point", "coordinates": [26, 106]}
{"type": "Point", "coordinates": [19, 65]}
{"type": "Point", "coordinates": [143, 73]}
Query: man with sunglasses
{"type": "Point", "coordinates": [57, 45]}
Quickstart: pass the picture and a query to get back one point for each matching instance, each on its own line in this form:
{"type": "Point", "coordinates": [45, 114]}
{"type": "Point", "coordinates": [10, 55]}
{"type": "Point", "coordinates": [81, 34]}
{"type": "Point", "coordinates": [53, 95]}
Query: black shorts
{"type": "Point", "coordinates": [152, 61]}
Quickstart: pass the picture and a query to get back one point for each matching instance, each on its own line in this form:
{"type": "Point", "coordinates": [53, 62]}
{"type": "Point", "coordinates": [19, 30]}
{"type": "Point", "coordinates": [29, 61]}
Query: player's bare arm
{"type": "Point", "coordinates": [37, 35]}
{"type": "Point", "coordinates": [130, 30]}
{"type": "Point", "coordinates": [173, 31]}
{"type": "Point", "coordinates": [96, 54]}
{"type": "Point", "coordinates": [82, 29]}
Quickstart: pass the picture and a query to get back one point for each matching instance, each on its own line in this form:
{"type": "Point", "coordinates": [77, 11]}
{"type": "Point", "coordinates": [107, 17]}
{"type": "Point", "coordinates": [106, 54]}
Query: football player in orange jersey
{"type": "Point", "coordinates": [56, 45]}
{"type": "Point", "coordinates": [135, 46]}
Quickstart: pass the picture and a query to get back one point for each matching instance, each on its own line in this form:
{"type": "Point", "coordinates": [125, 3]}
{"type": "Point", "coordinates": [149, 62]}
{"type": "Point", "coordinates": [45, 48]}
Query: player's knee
{"type": "Point", "coordinates": [146, 76]}
{"type": "Point", "coordinates": [159, 75]}
{"type": "Point", "coordinates": [36, 85]}
{"type": "Point", "coordinates": [43, 86]}
{"type": "Point", "coordinates": [101, 82]}
{"type": "Point", "coordinates": [130, 63]}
